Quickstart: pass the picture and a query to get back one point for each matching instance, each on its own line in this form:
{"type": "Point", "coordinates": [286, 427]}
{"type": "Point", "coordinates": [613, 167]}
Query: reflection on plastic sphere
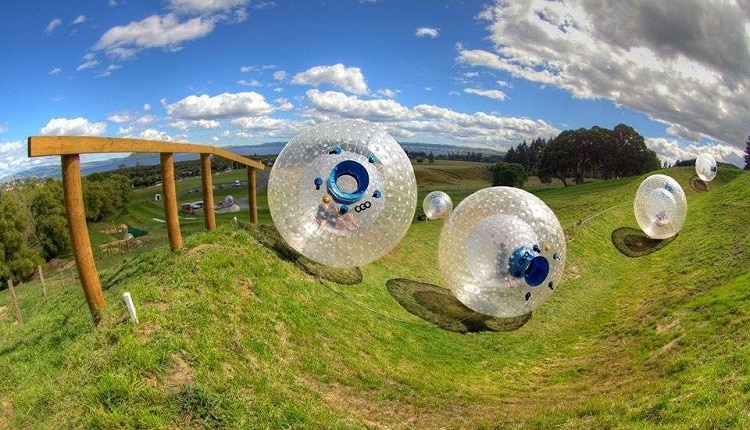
{"type": "Point", "coordinates": [660, 207]}
{"type": "Point", "coordinates": [705, 167]}
{"type": "Point", "coordinates": [342, 193]}
{"type": "Point", "coordinates": [502, 252]}
{"type": "Point", "coordinates": [437, 204]}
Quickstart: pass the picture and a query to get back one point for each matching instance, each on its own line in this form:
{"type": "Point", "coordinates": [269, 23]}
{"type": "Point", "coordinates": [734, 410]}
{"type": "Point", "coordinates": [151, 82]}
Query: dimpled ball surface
{"type": "Point", "coordinates": [437, 204]}
{"type": "Point", "coordinates": [311, 222]}
{"type": "Point", "coordinates": [478, 240]}
{"type": "Point", "coordinates": [660, 207]}
{"type": "Point", "coordinates": [705, 167]}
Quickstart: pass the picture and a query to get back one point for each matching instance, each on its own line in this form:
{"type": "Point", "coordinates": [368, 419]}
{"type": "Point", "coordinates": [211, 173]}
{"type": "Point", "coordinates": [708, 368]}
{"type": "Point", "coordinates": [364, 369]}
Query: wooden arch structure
{"type": "Point", "coordinates": [70, 148]}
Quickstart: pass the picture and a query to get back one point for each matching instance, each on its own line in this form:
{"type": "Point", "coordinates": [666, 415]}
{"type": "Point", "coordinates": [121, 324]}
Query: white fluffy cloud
{"type": "Point", "coordinates": [427, 32]}
{"type": "Point", "coordinates": [250, 83]}
{"type": "Point", "coordinates": [279, 75]}
{"type": "Point", "coordinates": [670, 151]}
{"type": "Point", "coordinates": [80, 20]}
{"type": "Point", "coordinates": [225, 105]}
{"type": "Point", "coordinates": [682, 62]}
{"type": "Point", "coordinates": [478, 128]}
{"type": "Point", "coordinates": [493, 94]}
{"type": "Point", "coordinates": [89, 61]}
{"type": "Point", "coordinates": [350, 79]}
{"type": "Point", "coordinates": [73, 127]}
{"type": "Point", "coordinates": [124, 41]}
{"type": "Point", "coordinates": [53, 25]}
{"type": "Point", "coordinates": [206, 6]}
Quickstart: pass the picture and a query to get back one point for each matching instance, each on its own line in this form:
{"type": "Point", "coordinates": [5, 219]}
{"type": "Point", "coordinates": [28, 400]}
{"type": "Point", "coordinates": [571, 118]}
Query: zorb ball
{"type": "Point", "coordinates": [437, 204]}
{"type": "Point", "coordinates": [705, 167]}
{"type": "Point", "coordinates": [660, 207]}
{"type": "Point", "coordinates": [342, 193]}
{"type": "Point", "coordinates": [502, 252]}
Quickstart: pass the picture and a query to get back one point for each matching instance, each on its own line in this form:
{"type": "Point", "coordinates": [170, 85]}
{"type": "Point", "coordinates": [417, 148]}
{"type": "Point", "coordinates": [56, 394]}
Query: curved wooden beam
{"type": "Point", "coordinates": [40, 146]}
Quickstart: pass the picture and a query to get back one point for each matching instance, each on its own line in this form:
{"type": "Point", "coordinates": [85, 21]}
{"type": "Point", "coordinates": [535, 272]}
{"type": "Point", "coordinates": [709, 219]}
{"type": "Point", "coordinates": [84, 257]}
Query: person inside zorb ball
{"type": "Point", "coordinates": [502, 252]}
{"type": "Point", "coordinates": [342, 193]}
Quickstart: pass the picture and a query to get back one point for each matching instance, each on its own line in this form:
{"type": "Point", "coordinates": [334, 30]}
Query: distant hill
{"type": "Point", "coordinates": [269, 148]}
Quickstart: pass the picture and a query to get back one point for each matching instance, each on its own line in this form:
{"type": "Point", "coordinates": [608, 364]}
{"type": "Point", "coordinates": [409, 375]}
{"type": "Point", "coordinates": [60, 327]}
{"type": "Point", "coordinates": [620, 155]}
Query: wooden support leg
{"type": "Point", "coordinates": [170, 201]}
{"type": "Point", "coordinates": [252, 195]}
{"type": "Point", "coordinates": [79, 235]}
{"type": "Point", "coordinates": [209, 217]}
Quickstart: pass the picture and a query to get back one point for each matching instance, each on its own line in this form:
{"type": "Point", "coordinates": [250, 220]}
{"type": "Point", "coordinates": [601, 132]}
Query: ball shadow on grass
{"type": "Point", "coordinates": [269, 237]}
{"type": "Point", "coordinates": [697, 184]}
{"type": "Point", "coordinates": [634, 243]}
{"type": "Point", "coordinates": [440, 307]}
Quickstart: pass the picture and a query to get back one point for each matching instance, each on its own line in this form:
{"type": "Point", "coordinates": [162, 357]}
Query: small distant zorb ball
{"type": "Point", "coordinates": [437, 204]}
{"type": "Point", "coordinates": [705, 167]}
{"type": "Point", "coordinates": [502, 252]}
{"type": "Point", "coordinates": [342, 193]}
{"type": "Point", "coordinates": [660, 207]}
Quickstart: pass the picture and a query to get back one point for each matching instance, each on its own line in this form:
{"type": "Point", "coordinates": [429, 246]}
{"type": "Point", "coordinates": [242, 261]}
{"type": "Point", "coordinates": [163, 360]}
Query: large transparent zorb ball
{"type": "Point", "coordinates": [342, 193]}
{"type": "Point", "coordinates": [502, 252]}
{"type": "Point", "coordinates": [705, 167]}
{"type": "Point", "coordinates": [660, 207]}
{"type": "Point", "coordinates": [437, 204]}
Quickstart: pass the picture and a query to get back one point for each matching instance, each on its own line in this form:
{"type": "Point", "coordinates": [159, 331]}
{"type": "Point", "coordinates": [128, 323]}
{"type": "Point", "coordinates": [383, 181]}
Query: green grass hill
{"type": "Point", "coordinates": [234, 334]}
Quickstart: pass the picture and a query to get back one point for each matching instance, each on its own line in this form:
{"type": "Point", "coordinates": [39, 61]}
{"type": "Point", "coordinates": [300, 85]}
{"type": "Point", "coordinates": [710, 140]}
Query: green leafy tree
{"type": "Point", "coordinates": [51, 227]}
{"type": "Point", "coordinates": [508, 174]}
{"type": "Point", "coordinates": [19, 259]}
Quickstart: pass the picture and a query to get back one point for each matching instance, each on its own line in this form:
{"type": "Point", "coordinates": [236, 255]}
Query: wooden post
{"type": "Point", "coordinates": [41, 277]}
{"type": "Point", "coordinates": [169, 193]}
{"type": "Point", "coordinates": [209, 217]}
{"type": "Point", "coordinates": [14, 299]}
{"type": "Point", "coordinates": [251, 195]}
{"type": "Point", "coordinates": [79, 235]}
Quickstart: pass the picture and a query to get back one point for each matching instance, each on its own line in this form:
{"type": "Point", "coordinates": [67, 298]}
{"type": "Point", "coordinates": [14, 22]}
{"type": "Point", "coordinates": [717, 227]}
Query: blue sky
{"type": "Point", "coordinates": [229, 72]}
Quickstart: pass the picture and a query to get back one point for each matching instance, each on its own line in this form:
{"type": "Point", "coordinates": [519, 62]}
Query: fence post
{"type": "Point", "coordinates": [209, 217]}
{"type": "Point", "coordinates": [41, 277]}
{"type": "Point", "coordinates": [14, 299]}
{"type": "Point", "coordinates": [170, 200]}
{"type": "Point", "coordinates": [252, 195]}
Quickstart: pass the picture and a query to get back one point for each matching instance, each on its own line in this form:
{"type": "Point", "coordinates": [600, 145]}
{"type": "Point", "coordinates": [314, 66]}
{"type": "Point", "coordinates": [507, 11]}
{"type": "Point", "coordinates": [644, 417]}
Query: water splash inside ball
{"type": "Point", "coordinates": [342, 193]}
{"type": "Point", "coordinates": [437, 204]}
{"type": "Point", "coordinates": [502, 252]}
{"type": "Point", "coordinates": [705, 167]}
{"type": "Point", "coordinates": [660, 207]}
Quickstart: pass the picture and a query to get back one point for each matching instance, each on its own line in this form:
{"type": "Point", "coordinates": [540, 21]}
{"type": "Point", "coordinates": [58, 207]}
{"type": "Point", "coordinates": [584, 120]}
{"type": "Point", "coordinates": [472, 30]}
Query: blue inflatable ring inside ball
{"type": "Point", "coordinates": [356, 171]}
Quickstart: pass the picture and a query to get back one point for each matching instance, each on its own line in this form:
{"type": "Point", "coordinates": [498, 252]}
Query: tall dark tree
{"type": "Point", "coordinates": [508, 174]}
{"type": "Point", "coordinates": [50, 225]}
{"type": "Point", "coordinates": [19, 259]}
{"type": "Point", "coordinates": [747, 153]}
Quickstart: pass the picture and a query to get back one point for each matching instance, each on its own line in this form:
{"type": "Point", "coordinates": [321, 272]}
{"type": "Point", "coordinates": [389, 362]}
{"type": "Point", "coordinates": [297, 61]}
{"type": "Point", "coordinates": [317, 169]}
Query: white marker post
{"type": "Point", "coordinates": [131, 307]}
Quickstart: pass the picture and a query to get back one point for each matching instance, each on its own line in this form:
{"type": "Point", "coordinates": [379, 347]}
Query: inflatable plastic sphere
{"type": "Point", "coordinates": [437, 204]}
{"type": "Point", "coordinates": [502, 252]}
{"type": "Point", "coordinates": [705, 167]}
{"type": "Point", "coordinates": [342, 193]}
{"type": "Point", "coordinates": [660, 207]}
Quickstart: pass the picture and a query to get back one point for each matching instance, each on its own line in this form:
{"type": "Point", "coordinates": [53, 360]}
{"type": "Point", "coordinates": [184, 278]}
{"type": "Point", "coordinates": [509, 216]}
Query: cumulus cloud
{"type": "Point", "coordinates": [349, 79]}
{"type": "Point", "coordinates": [146, 107]}
{"type": "Point", "coordinates": [80, 20]}
{"type": "Point", "coordinates": [685, 63]}
{"type": "Point", "coordinates": [108, 71]}
{"type": "Point", "coordinates": [427, 32]}
{"type": "Point", "coordinates": [387, 92]}
{"type": "Point", "coordinates": [279, 75]}
{"type": "Point", "coordinates": [152, 134]}
{"type": "Point", "coordinates": [493, 94]}
{"type": "Point", "coordinates": [73, 127]}
{"type": "Point", "coordinates": [478, 128]}
{"type": "Point", "coordinates": [205, 6]}
{"type": "Point", "coordinates": [204, 124]}
{"type": "Point", "coordinates": [250, 83]}
{"type": "Point", "coordinates": [670, 150]}
{"type": "Point", "coordinates": [53, 25]}
{"type": "Point", "coordinates": [225, 105]}
{"type": "Point", "coordinates": [125, 41]}
{"type": "Point", "coordinates": [89, 62]}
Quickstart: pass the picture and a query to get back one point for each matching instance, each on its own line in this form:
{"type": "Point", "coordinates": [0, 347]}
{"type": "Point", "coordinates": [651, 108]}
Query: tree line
{"type": "Point", "coordinates": [578, 154]}
{"type": "Point", "coordinates": [33, 223]}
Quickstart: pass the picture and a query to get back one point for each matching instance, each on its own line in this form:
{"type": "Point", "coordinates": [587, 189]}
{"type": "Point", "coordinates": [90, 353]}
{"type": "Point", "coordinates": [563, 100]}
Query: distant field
{"type": "Point", "coordinates": [234, 334]}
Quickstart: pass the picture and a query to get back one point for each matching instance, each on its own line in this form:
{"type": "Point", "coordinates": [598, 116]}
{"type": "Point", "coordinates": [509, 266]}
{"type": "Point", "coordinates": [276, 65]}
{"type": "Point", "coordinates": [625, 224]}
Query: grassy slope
{"type": "Point", "coordinates": [231, 335]}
